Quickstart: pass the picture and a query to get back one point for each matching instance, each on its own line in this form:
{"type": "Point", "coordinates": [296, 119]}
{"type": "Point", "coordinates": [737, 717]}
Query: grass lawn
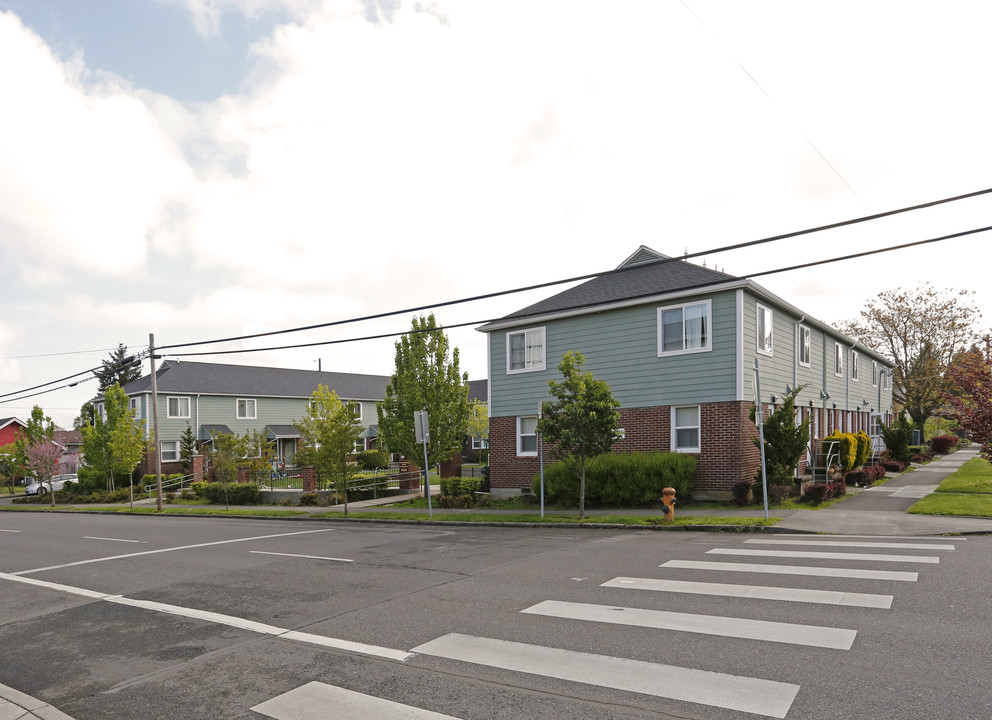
{"type": "Point", "coordinates": [967, 492]}
{"type": "Point", "coordinates": [554, 519]}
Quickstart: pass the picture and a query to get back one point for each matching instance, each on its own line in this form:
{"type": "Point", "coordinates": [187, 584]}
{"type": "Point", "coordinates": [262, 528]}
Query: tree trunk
{"type": "Point", "coordinates": [582, 487]}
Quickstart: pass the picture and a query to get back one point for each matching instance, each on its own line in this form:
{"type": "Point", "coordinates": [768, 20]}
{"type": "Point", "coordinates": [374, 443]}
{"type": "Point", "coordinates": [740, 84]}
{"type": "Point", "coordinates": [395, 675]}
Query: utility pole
{"type": "Point", "coordinates": [157, 445]}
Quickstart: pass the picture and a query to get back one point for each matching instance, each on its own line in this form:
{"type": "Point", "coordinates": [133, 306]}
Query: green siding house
{"type": "Point", "coordinates": [677, 343]}
{"type": "Point", "coordinates": [214, 398]}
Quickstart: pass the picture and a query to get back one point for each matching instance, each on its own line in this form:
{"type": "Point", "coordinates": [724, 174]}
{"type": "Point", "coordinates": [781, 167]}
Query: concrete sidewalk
{"type": "Point", "coordinates": [15, 705]}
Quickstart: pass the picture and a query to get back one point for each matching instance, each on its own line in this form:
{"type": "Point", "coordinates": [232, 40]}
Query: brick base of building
{"type": "Point", "coordinates": [727, 452]}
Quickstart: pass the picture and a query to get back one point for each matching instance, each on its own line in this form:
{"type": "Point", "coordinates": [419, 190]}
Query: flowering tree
{"type": "Point", "coordinates": [969, 379]}
{"type": "Point", "coordinates": [43, 459]}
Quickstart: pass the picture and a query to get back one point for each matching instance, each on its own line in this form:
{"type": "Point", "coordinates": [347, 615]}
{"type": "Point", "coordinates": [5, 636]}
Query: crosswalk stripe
{"type": "Point", "coordinates": [793, 570]}
{"type": "Point", "coordinates": [904, 538]}
{"type": "Point", "coordinates": [847, 543]}
{"type": "Point", "coordinates": [317, 700]}
{"type": "Point", "coordinates": [760, 592]}
{"type": "Point", "coordinates": [753, 695]}
{"type": "Point", "coordinates": [789, 633]}
{"type": "Point", "coordinates": [825, 555]}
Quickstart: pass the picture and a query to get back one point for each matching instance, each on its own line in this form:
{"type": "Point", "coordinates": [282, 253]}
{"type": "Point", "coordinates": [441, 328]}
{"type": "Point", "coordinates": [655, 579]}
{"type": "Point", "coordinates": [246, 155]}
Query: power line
{"type": "Point", "coordinates": [725, 248]}
{"type": "Point", "coordinates": [589, 276]}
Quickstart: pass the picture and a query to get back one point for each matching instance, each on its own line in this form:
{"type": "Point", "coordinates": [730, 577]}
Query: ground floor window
{"type": "Point", "coordinates": [526, 436]}
{"type": "Point", "coordinates": [685, 428]}
{"type": "Point", "coordinates": [170, 451]}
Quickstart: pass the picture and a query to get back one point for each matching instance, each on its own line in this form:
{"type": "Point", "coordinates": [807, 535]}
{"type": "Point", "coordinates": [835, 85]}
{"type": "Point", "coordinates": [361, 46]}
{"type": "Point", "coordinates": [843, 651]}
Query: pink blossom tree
{"type": "Point", "coordinates": [43, 459]}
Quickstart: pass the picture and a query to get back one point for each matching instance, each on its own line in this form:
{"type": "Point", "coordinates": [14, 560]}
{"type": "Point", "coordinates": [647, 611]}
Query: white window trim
{"type": "Point", "coordinates": [874, 373]}
{"type": "Point", "coordinates": [168, 409]}
{"type": "Point", "coordinates": [838, 359]}
{"type": "Point", "coordinates": [770, 320]}
{"type": "Point", "coordinates": [247, 416]}
{"type": "Point", "coordinates": [698, 426]}
{"type": "Point", "coordinates": [353, 404]}
{"type": "Point", "coordinates": [855, 357]}
{"type": "Point", "coordinates": [134, 405]}
{"type": "Point", "coordinates": [544, 350]}
{"type": "Point", "coordinates": [479, 443]}
{"type": "Point", "coordinates": [707, 346]}
{"type": "Point", "coordinates": [170, 455]}
{"type": "Point", "coordinates": [808, 345]}
{"type": "Point", "coordinates": [520, 452]}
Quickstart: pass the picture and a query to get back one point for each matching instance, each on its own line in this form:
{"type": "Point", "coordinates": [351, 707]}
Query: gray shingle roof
{"type": "Point", "coordinates": [175, 376]}
{"type": "Point", "coordinates": [646, 273]}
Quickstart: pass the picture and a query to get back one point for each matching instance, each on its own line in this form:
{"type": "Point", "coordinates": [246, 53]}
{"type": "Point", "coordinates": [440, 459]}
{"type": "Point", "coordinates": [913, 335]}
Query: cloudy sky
{"type": "Point", "coordinates": [202, 169]}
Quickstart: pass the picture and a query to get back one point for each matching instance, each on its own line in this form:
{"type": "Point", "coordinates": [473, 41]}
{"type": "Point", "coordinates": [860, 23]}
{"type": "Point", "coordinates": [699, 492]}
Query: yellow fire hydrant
{"type": "Point", "coordinates": [668, 503]}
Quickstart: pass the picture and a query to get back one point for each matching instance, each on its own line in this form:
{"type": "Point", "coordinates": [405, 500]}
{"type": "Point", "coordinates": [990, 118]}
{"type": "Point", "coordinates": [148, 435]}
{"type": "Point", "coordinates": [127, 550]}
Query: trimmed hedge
{"type": "Point", "coordinates": [866, 476]}
{"type": "Point", "coordinates": [630, 480]}
{"type": "Point", "coordinates": [848, 450]}
{"type": "Point", "coordinates": [232, 493]}
{"type": "Point", "coordinates": [943, 444]}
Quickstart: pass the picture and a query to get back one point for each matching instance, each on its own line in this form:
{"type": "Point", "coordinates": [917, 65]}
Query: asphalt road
{"type": "Point", "coordinates": [171, 617]}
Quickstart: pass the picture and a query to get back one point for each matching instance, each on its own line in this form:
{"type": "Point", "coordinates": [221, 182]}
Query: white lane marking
{"type": "Point", "coordinates": [309, 557]}
{"type": "Point", "coordinates": [219, 619]}
{"type": "Point", "coordinates": [753, 695]}
{"type": "Point", "coordinates": [87, 537]}
{"type": "Point", "coordinates": [263, 628]}
{"type": "Point", "coordinates": [788, 633]}
{"type": "Point", "coordinates": [793, 570]}
{"type": "Point", "coordinates": [845, 543]}
{"type": "Point", "coordinates": [927, 538]}
{"type": "Point", "coordinates": [760, 592]}
{"type": "Point", "coordinates": [172, 549]}
{"type": "Point", "coordinates": [11, 531]}
{"type": "Point", "coordinates": [317, 701]}
{"type": "Point", "coordinates": [825, 555]}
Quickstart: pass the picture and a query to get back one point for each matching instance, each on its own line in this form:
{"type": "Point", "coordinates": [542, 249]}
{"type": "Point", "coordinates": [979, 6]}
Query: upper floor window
{"type": "Point", "coordinates": [246, 409]}
{"type": "Point", "coordinates": [765, 326]}
{"type": "Point", "coordinates": [525, 350]}
{"type": "Point", "coordinates": [874, 373]}
{"type": "Point", "coordinates": [177, 407]}
{"type": "Point", "coordinates": [134, 405]}
{"type": "Point", "coordinates": [854, 366]}
{"type": "Point", "coordinates": [838, 359]}
{"type": "Point", "coordinates": [804, 351]}
{"type": "Point", "coordinates": [354, 409]}
{"type": "Point", "coordinates": [684, 328]}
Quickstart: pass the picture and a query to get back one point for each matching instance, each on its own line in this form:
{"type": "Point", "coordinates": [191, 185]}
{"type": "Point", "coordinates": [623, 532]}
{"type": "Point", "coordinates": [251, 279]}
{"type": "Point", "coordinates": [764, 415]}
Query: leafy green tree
{"type": "Point", "coordinates": [85, 417]}
{"type": "Point", "coordinates": [897, 438]}
{"type": "Point", "coordinates": [8, 465]}
{"type": "Point", "coordinates": [478, 424]}
{"type": "Point", "coordinates": [785, 442]}
{"type": "Point", "coordinates": [425, 379]}
{"type": "Point", "coordinates": [921, 331]}
{"type": "Point", "coordinates": [120, 368]}
{"type": "Point", "coordinates": [329, 431]}
{"type": "Point", "coordinates": [115, 444]}
{"type": "Point", "coordinates": [581, 420]}
{"type": "Point", "coordinates": [187, 448]}
{"type": "Point", "coordinates": [228, 452]}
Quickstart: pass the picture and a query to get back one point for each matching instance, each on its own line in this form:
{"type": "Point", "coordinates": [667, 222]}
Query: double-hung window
{"type": "Point", "coordinates": [134, 405]}
{"type": "Point", "coordinates": [804, 352]}
{"type": "Point", "coordinates": [246, 409]}
{"type": "Point", "coordinates": [170, 451]}
{"type": "Point", "coordinates": [684, 328]}
{"type": "Point", "coordinates": [526, 436]}
{"type": "Point", "coordinates": [525, 350]}
{"type": "Point", "coordinates": [838, 359]}
{"type": "Point", "coordinates": [355, 410]}
{"type": "Point", "coordinates": [685, 429]}
{"type": "Point", "coordinates": [854, 366]}
{"type": "Point", "coordinates": [765, 326]}
{"type": "Point", "coordinates": [874, 373]}
{"type": "Point", "coordinates": [177, 407]}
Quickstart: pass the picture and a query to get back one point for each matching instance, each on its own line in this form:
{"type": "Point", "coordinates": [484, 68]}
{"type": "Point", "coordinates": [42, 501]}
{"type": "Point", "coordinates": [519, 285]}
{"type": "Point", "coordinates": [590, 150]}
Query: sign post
{"type": "Point", "coordinates": [422, 431]}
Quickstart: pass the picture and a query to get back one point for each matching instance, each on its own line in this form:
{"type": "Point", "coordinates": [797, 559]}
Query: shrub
{"type": "Point", "coordinates": [857, 477]}
{"type": "Point", "coordinates": [897, 439]}
{"type": "Point", "coordinates": [636, 479]}
{"type": "Point", "coordinates": [848, 449]}
{"type": "Point", "coordinates": [943, 444]}
{"type": "Point", "coordinates": [776, 493]}
{"type": "Point", "coordinates": [742, 492]}
{"type": "Point", "coordinates": [864, 448]}
{"type": "Point", "coordinates": [233, 493]}
{"type": "Point", "coordinates": [893, 466]}
{"type": "Point", "coordinates": [372, 459]}
{"type": "Point", "coordinates": [837, 489]}
{"type": "Point", "coordinates": [309, 499]}
{"type": "Point", "coordinates": [484, 485]}
{"type": "Point", "coordinates": [814, 493]}
{"type": "Point", "coordinates": [454, 486]}
{"type": "Point", "coordinates": [199, 489]}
